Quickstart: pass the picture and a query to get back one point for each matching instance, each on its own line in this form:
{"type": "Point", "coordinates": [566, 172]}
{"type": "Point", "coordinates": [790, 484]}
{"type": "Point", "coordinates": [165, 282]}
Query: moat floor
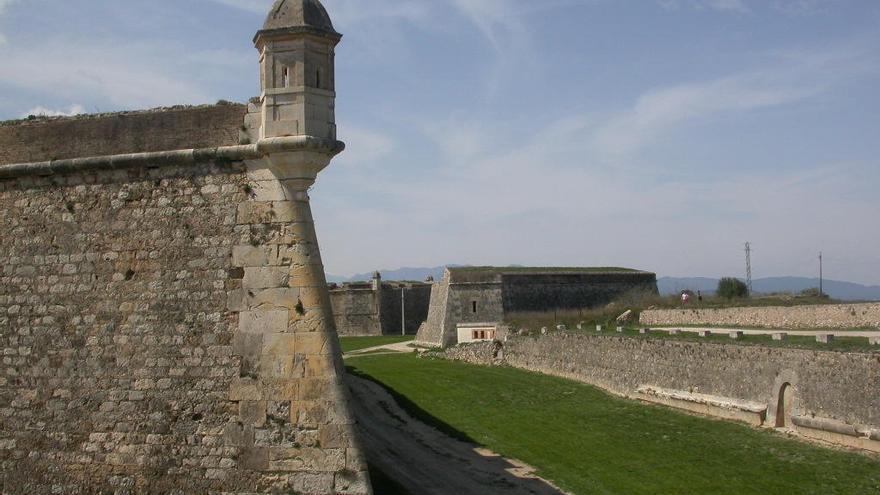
{"type": "Point", "coordinates": [424, 461]}
{"type": "Point", "coordinates": [577, 436]}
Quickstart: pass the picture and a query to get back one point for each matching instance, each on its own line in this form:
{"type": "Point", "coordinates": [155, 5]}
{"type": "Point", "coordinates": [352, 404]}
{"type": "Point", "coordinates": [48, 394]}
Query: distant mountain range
{"type": "Point", "coordinates": [844, 291]}
{"type": "Point", "coordinates": [411, 274]}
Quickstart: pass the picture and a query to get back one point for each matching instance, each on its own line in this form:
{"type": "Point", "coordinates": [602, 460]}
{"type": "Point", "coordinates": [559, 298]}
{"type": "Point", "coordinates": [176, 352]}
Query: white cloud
{"type": "Point", "coordinates": [804, 7]}
{"type": "Point", "coordinates": [793, 76]}
{"type": "Point", "coordinates": [124, 75]}
{"type": "Point", "coordinates": [364, 146]}
{"type": "Point", "coordinates": [720, 5]}
{"type": "Point", "coordinates": [47, 112]}
{"type": "Point", "coordinates": [255, 6]}
{"type": "Point", "coordinates": [3, 5]}
{"type": "Point", "coordinates": [6, 3]}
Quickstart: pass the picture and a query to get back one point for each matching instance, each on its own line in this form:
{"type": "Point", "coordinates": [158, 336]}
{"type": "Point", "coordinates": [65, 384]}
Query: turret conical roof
{"type": "Point", "coordinates": [298, 15]}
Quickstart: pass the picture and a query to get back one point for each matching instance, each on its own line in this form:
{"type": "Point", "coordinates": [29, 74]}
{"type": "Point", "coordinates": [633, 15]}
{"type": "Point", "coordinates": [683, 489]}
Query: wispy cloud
{"type": "Point", "coordinates": [804, 7]}
{"type": "Point", "coordinates": [125, 75]}
{"type": "Point", "coordinates": [3, 5]}
{"type": "Point", "coordinates": [255, 6]}
{"type": "Point", "coordinates": [720, 5]}
{"type": "Point", "coordinates": [794, 76]}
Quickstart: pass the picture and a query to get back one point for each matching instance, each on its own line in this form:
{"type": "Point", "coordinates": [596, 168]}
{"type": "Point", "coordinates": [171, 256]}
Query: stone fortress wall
{"type": "Point", "coordinates": [834, 393]}
{"type": "Point", "coordinates": [830, 316]}
{"type": "Point", "coordinates": [157, 335]}
{"type": "Point", "coordinates": [364, 309]}
{"type": "Point", "coordinates": [487, 295]}
{"type": "Point", "coordinates": [162, 129]}
{"type": "Point", "coordinates": [165, 321]}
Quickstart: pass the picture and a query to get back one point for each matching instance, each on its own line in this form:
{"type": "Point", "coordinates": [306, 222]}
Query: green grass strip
{"type": "Point", "coordinates": [590, 442]}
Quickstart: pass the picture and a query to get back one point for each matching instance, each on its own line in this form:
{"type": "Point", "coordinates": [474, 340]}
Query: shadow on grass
{"type": "Point", "coordinates": [414, 410]}
{"type": "Point", "coordinates": [411, 452]}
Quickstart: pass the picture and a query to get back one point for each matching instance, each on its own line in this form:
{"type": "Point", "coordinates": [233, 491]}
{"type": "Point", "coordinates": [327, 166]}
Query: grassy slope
{"type": "Point", "coordinates": [356, 343]}
{"type": "Point", "coordinates": [590, 442]}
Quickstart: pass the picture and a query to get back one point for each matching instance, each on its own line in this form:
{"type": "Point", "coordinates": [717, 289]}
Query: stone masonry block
{"type": "Point", "coordinates": [254, 256]}
{"type": "Point", "coordinates": [874, 340]}
{"type": "Point", "coordinates": [319, 366]}
{"type": "Point", "coordinates": [238, 435]}
{"type": "Point", "coordinates": [279, 344]}
{"type": "Point", "coordinates": [307, 275]}
{"type": "Point", "coordinates": [335, 436]}
{"type": "Point", "coordinates": [736, 335]}
{"type": "Point", "coordinates": [254, 459]}
{"type": "Point", "coordinates": [307, 459]}
{"type": "Point", "coordinates": [780, 336]}
{"type": "Point", "coordinates": [267, 190]}
{"type": "Point", "coordinates": [245, 389]}
{"type": "Point", "coordinates": [279, 367]}
{"type": "Point", "coordinates": [310, 413]}
{"type": "Point", "coordinates": [274, 321]}
{"type": "Point", "coordinates": [252, 413]}
{"type": "Point", "coordinates": [705, 333]}
{"type": "Point", "coordinates": [311, 482]}
{"type": "Point", "coordinates": [352, 483]}
{"type": "Point", "coordinates": [313, 344]}
{"type": "Point", "coordinates": [257, 212]}
{"type": "Point", "coordinates": [236, 300]}
{"type": "Point", "coordinates": [265, 277]}
{"type": "Point", "coordinates": [285, 297]}
{"type": "Point", "coordinates": [825, 338]}
{"type": "Point", "coordinates": [282, 389]}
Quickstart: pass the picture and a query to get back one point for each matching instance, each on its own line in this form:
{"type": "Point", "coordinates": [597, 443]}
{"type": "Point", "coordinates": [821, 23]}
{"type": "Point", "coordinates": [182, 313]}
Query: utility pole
{"type": "Point", "coordinates": [821, 292]}
{"type": "Point", "coordinates": [403, 311]}
{"type": "Point", "coordinates": [749, 266]}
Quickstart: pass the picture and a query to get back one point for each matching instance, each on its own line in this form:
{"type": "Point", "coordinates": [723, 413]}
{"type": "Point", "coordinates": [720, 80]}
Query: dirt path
{"type": "Point", "coordinates": [427, 462]}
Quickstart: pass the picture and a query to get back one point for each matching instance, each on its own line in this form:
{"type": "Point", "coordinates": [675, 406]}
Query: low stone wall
{"type": "Point", "coordinates": [794, 317]}
{"type": "Point", "coordinates": [829, 385]}
{"type": "Point", "coordinates": [161, 129]}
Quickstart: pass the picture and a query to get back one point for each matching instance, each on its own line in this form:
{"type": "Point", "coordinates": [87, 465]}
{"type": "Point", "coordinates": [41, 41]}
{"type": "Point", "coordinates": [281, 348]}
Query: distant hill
{"type": "Point", "coordinates": [413, 274]}
{"type": "Point", "coordinates": [844, 291]}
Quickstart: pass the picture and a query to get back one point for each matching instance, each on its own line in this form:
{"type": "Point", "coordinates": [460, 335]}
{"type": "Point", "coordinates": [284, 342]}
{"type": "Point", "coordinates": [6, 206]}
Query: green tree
{"type": "Point", "coordinates": [732, 288]}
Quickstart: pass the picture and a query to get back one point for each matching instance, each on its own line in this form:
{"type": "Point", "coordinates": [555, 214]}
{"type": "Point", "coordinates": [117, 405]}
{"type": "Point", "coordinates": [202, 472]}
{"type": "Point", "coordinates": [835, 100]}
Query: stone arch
{"type": "Point", "coordinates": [785, 405]}
{"type": "Point", "coordinates": [785, 401]}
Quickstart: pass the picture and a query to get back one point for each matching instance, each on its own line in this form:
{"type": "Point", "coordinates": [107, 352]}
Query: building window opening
{"type": "Point", "coordinates": [474, 306]}
{"type": "Point", "coordinates": [285, 77]}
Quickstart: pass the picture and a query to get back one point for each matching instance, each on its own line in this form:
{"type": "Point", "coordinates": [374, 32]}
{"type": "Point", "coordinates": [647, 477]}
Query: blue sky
{"type": "Point", "coordinates": [658, 134]}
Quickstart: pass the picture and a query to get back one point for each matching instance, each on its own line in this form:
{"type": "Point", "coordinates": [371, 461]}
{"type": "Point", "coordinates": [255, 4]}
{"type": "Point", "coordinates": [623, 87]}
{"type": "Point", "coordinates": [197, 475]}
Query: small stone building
{"type": "Point", "coordinates": [477, 299]}
{"type": "Point", "coordinates": [379, 308]}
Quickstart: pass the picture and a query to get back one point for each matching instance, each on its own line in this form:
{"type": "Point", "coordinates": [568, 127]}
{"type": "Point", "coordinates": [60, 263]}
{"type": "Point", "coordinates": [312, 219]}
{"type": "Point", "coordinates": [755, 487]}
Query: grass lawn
{"type": "Point", "coordinates": [356, 343]}
{"type": "Point", "coordinates": [589, 442]}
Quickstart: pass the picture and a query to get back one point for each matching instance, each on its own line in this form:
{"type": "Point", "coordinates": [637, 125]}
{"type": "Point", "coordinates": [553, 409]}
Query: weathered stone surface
{"type": "Point", "coordinates": [828, 384]}
{"type": "Point", "coordinates": [486, 295]}
{"type": "Point", "coordinates": [820, 316]}
{"type": "Point", "coordinates": [161, 129]}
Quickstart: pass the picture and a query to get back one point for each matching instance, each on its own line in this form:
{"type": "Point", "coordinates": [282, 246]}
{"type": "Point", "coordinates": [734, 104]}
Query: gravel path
{"type": "Point", "coordinates": [427, 462]}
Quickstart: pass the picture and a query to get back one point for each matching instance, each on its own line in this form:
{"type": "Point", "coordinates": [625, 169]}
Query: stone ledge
{"type": "Point", "coordinates": [174, 157]}
{"type": "Point", "coordinates": [712, 400]}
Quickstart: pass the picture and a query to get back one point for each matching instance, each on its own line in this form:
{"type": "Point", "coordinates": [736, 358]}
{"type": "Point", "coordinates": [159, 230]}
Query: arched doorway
{"type": "Point", "coordinates": [785, 406]}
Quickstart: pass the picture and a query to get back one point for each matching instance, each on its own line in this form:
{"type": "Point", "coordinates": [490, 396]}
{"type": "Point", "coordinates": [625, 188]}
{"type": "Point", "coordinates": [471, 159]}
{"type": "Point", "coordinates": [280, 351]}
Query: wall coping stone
{"type": "Point", "coordinates": [175, 157]}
